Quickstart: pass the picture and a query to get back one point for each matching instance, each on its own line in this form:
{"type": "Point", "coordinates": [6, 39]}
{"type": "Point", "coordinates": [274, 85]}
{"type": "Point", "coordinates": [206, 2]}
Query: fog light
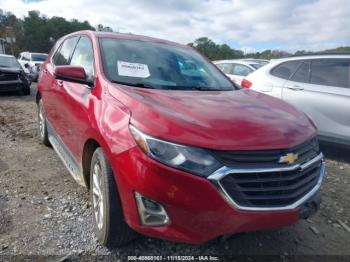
{"type": "Point", "coordinates": [151, 213]}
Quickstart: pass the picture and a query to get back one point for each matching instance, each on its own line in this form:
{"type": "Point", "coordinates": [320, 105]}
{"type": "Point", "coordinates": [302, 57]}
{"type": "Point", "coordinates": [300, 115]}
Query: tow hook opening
{"type": "Point", "coordinates": [310, 207]}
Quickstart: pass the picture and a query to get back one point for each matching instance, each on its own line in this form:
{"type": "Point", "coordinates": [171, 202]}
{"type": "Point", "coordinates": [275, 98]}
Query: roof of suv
{"type": "Point", "coordinates": [126, 36]}
{"type": "Point", "coordinates": [313, 56]}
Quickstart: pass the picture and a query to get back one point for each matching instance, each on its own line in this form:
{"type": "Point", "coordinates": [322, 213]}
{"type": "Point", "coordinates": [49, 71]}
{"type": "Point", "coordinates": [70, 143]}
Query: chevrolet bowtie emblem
{"type": "Point", "coordinates": [289, 158]}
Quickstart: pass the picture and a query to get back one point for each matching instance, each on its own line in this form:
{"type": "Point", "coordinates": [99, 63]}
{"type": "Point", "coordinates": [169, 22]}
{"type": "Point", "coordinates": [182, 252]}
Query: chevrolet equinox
{"type": "Point", "coordinates": [169, 146]}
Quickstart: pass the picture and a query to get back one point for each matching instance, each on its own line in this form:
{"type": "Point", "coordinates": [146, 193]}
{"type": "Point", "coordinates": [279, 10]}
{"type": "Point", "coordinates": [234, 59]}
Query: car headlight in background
{"type": "Point", "coordinates": [191, 159]}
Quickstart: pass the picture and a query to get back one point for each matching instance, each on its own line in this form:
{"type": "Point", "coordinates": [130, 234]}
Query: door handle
{"type": "Point", "coordinates": [295, 88]}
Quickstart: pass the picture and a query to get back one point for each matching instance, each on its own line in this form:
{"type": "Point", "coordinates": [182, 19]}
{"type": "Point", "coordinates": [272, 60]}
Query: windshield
{"type": "Point", "coordinates": [9, 61]}
{"type": "Point", "coordinates": [159, 66]}
{"type": "Point", "coordinates": [39, 57]}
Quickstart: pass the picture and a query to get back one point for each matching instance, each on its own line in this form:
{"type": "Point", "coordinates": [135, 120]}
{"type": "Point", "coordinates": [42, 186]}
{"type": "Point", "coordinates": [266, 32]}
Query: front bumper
{"type": "Point", "coordinates": [197, 211]}
{"type": "Point", "coordinates": [11, 85]}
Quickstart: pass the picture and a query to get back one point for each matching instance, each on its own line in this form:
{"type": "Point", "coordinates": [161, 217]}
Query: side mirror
{"type": "Point", "coordinates": [75, 74]}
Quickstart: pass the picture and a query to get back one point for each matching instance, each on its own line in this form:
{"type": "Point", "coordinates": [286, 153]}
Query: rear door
{"type": "Point", "coordinates": [320, 87]}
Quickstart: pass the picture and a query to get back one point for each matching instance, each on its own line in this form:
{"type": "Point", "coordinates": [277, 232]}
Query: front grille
{"type": "Point", "coordinates": [267, 158]}
{"type": "Point", "coordinates": [271, 188]}
{"type": "Point", "coordinates": [8, 76]}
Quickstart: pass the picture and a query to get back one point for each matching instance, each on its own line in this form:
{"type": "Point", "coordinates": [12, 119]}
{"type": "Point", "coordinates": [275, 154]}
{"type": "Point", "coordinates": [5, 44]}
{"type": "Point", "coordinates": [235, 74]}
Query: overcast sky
{"type": "Point", "coordinates": [243, 24]}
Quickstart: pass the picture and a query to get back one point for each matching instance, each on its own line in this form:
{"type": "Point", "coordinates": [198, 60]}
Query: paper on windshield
{"type": "Point", "coordinates": [133, 69]}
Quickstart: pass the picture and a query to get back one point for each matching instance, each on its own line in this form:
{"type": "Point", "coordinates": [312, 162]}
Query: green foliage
{"type": "Point", "coordinates": [220, 52]}
{"type": "Point", "coordinates": [37, 33]}
{"type": "Point", "coordinates": [215, 51]}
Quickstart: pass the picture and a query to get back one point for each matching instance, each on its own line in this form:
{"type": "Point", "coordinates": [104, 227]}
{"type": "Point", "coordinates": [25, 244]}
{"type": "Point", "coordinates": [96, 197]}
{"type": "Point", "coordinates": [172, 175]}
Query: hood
{"type": "Point", "coordinates": [224, 120]}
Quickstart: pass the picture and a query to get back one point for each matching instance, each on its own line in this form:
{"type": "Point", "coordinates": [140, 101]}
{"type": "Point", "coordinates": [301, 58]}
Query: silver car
{"type": "Point", "coordinates": [318, 84]}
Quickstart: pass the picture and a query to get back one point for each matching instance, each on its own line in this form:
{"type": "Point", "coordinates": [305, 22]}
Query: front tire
{"type": "Point", "coordinates": [42, 130]}
{"type": "Point", "coordinates": [110, 228]}
{"type": "Point", "coordinates": [26, 90]}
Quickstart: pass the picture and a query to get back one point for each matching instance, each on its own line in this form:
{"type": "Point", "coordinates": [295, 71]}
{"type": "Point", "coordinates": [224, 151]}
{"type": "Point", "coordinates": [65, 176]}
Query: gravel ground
{"type": "Point", "coordinates": [44, 213]}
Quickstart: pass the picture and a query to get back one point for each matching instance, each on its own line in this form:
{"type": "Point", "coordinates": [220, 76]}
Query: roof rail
{"type": "Point", "coordinates": [323, 53]}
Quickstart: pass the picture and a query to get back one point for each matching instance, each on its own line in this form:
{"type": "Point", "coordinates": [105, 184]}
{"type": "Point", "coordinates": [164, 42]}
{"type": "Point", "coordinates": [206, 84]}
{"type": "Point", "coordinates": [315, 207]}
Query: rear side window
{"type": "Point", "coordinates": [64, 53]}
{"type": "Point", "coordinates": [241, 70]}
{"type": "Point", "coordinates": [330, 72]}
{"type": "Point", "coordinates": [286, 69]}
{"type": "Point", "coordinates": [226, 68]}
{"type": "Point", "coordinates": [302, 75]}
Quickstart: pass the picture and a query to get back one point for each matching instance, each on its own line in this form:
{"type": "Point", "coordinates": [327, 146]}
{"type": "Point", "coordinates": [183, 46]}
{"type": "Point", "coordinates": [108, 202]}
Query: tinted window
{"type": "Point", "coordinates": [286, 69]}
{"type": "Point", "coordinates": [84, 56]}
{"type": "Point", "coordinates": [303, 73]}
{"type": "Point", "coordinates": [159, 66]}
{"type": "Point", "coordinates": [330, 72]}
{"type": "Point", "coordinates": [241, 70]}
{"type": "Point", "coordinates": [256, 66]}
{"type": "Point", "coordinates": [64, 53]}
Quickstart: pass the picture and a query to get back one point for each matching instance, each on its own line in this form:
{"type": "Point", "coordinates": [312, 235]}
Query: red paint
{"type": "Point", "coordinates": [74, 72]}
{"type": "Point", "coordinates": [235, 120]}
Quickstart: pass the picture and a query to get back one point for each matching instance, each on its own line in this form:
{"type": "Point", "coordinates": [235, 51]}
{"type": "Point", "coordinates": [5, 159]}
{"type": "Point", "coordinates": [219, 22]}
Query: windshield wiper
{"type": "Point", "coordinates": [142, 85]}
{"type": "Point", "coordinates": [200, 88]}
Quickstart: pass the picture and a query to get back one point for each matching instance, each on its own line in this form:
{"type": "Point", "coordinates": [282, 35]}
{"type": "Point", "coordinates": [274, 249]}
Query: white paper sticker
{"type": "Point", "coordinates": [133, 69]}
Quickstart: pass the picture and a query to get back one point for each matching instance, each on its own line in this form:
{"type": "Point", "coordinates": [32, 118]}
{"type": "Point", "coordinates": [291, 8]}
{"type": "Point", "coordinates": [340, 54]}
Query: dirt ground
{"type": "Point", "coordinates": [43, 212]}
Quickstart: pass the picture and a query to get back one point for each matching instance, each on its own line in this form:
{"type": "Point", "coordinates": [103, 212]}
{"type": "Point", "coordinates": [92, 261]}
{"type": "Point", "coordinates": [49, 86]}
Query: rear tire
{"type": "Point", "coordinates": [42, 129]}
{"type": "Point", "coordinates": [110, 228]}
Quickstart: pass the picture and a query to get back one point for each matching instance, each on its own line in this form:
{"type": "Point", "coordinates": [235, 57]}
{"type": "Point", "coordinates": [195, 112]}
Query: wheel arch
{"type": "Point", "coordinates": [89, 148]}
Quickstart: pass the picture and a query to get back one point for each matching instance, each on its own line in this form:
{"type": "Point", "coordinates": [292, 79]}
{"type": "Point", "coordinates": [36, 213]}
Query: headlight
{"type": "Point", "coordinates": [191, 159]}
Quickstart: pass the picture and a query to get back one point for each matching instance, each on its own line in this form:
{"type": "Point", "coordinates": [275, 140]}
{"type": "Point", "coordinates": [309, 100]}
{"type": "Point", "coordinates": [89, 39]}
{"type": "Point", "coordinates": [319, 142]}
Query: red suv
{"type": "Point", "coordinates": [169, 146]}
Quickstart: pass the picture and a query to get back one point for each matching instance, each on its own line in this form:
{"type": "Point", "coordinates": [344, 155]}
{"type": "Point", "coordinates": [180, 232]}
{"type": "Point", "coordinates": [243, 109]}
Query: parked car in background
{"type": "Point", "coordinates": [31, 63]}
{"type": "Point", "coordinates": [261, 62]}
{"type": "Point", "coordinates": [237, 69]}
{"type": "Point", "coordinates": [12, 76]}
{"type": "Point", "coordinates": [317, 84]}
{"type": "Point", "coordinates": [169, 146]}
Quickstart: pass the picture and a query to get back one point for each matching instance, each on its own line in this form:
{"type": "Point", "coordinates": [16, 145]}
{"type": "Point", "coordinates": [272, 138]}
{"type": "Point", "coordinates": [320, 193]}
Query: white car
{"type": "Point", "coordinates": [317, 84]}
{"type": "Point", "coordinates": [237, 69]}
{"type": "Point", "coordinates": [31, 63]}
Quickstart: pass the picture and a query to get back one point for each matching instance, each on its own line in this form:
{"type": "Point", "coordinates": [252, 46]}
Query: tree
{"type": "Point", "coordinates": [102, 28]}
{"type": "Point", "coordinates": [36, 32]}
{"type": "Point", "coordinates": [214, 51]}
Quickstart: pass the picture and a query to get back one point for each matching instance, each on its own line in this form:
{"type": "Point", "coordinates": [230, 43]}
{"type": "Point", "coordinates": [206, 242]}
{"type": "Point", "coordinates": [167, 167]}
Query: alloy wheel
{"type": "Point", "coordinates": [97, 195]}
